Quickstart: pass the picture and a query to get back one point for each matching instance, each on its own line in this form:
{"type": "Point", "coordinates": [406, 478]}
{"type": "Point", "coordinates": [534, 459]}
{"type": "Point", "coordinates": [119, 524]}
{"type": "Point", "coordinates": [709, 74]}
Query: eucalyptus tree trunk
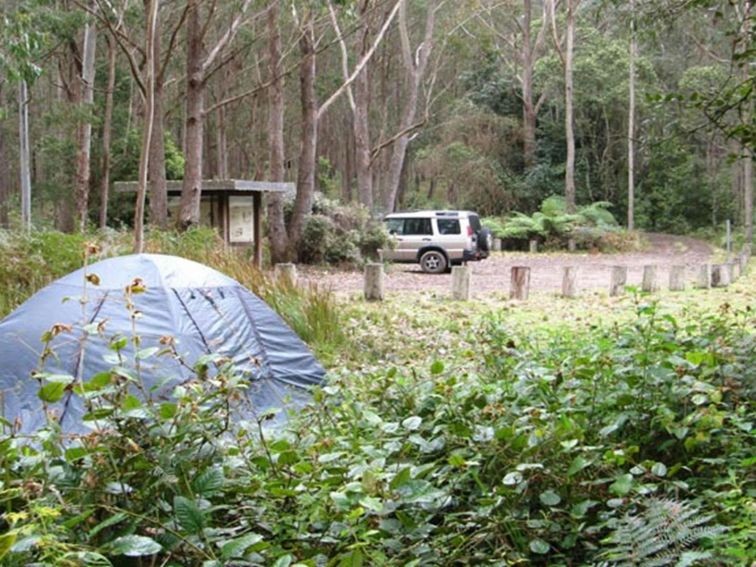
{"type": "Point", "coordinates": [569, 174]}
{"type": "Point", "coordinates": [309, 137]}
{"type": "Point", "coordinates": [276, 225]}
{"type": "Point", "coordinates": [529, 110]}
{"type": "Point", "coordinates": [748, 119]}
{"type": "Point", "coordinates": [360, 114]}
{"type": "Point", "coordinates": [156, 171]}
{"type": "Point", "coordinates": [151, 10]}
{"type": "Point", "coordinates": [84, 129]}
{"type": "Point", "coordinates": [106, 134]}
{"type": "Point", "coordinates": [191, 189]}
{"type": "Point", "coordinates": [631, 124]}
{"type": "Point", "coordinates": [24, 154]}
{"type": "Point", "coordinates": [414, 67]}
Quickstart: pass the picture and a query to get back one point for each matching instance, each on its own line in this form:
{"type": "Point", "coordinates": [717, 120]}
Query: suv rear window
{"type": "Point", "coordinates": [448, 226]}
{"type": "Point", "coordinates": [475, 223]}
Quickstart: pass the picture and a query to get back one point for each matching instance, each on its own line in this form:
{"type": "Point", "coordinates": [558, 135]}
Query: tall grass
{"type": "Point", "coordinates": [28, 262]}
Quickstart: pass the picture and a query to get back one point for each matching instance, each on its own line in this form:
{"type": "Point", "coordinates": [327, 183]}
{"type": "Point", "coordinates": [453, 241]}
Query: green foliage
{"type": "Point", "coordinates": [340, 234]}
{"type": "Point", "coordinates": [593, 226]}
{"type": "Point", "coordinates": [522, 445]}
{"type": "Point", "coordinates": [660, 535]}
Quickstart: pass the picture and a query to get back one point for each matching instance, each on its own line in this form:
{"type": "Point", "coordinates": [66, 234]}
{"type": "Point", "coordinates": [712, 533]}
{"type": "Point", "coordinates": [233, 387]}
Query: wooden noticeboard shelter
{"type": "Point", "coordinates": [233, 206]}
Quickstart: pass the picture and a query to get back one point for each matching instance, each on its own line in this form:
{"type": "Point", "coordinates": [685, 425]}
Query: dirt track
{"type": "Point", "coordinates": [493, 274]}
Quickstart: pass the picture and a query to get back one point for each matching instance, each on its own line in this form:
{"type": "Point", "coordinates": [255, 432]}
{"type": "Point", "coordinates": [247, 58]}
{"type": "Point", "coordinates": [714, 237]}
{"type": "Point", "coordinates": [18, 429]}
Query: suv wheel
{"type": "Point", "coordinates": [433, 262]}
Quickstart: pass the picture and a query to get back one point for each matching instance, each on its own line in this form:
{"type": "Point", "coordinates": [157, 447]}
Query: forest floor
{"type": "Point", "coordinates": [493, 274]}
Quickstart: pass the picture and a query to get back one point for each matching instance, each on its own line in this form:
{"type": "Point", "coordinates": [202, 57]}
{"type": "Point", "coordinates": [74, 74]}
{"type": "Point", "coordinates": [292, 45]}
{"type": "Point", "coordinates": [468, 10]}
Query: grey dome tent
{"type": "Point", "coordinates": [203, 310]}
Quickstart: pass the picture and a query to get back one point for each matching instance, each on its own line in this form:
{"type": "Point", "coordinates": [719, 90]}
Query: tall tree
{"type": "Point", "coordinates": [198, 68]}
{"type": "Point", "coordinates": [415, 64]}
{"type": "Point", "coordinates": [631, 123]}
{"type": "Point", "coordinates": [276, 107]}
{"type": "Point", "coordinates": [569, 121]}
{"type": "Point", "coordinates": [85, 93]}
{"type": "Point", "coordinates": [151, 13]}
{"type": "Point", "coordinates": [107, 126]}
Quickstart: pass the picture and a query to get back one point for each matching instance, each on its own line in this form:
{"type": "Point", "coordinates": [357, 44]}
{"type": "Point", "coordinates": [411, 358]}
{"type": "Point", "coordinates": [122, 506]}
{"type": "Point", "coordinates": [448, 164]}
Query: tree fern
{"type": "Point", "coordinates": [666, 532]}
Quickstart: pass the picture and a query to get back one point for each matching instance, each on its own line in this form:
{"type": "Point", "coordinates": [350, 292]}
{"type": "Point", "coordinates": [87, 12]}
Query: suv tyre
{"type": "Point", "coordinates": [433, 262]}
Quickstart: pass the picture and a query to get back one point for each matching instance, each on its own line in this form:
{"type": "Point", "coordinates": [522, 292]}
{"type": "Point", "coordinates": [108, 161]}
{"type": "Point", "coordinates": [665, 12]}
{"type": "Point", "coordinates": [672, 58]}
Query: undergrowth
{"type": "Point", "coordinates": [514, 446]}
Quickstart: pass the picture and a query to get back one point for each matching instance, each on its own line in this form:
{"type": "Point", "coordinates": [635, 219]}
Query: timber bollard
{"type": "Point", "coordinates": [286, 272]}
{"type": "Point", "coordinates": [649, 284]}
{"type": "Point", "coordinates": [734, 270]}
{"type": "Point", "coordinates": [677, 278]}
{"type": "Point", "coordinates": [520, 285]}
{"type": "Point", "coordinates": [497, 244]}
{"type": "Point", "coordinates": [461, 276]}
{"type": "Point", "coordinates": [374, 282]}
{"type": "Point", "coordinates": [569, 281]}
{"type": "Point", "coordinates": [720, 275]}
{"type": "Point", "coordinates": [703, 278]}
{"type": "Point", "coordinates": [571, 245]}
{"type": "Point", "coordinates": [618, 281]}
{"type": "Point", "coordinates": [533, 244]}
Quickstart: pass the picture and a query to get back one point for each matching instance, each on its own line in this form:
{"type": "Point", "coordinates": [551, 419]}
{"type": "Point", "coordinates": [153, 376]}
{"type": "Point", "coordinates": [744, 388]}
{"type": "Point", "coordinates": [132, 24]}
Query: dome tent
{"type": "Point", "coordinates": [203, 310]}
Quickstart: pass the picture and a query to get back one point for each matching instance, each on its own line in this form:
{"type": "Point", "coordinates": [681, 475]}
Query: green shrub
{"type": "Point", "coordinates": [340, 234]}
{"type": "Point", "coordinates": [591, 227]}
{"type": "Point", "coordinates": [538, 448]}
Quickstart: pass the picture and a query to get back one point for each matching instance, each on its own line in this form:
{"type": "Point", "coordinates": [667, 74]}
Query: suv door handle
{"type": "Point", "coordinates": [426, 239]}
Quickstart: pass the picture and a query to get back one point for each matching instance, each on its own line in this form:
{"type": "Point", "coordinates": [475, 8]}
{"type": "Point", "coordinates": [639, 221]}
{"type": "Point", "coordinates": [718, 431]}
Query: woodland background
{"type": "Point", "coordinates": [482, 104]}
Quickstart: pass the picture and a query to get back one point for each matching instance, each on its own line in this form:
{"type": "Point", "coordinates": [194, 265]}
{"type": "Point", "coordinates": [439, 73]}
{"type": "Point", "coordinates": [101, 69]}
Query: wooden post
{"type": "Point", "coordinates": [729, 238]}
{"type": "Point", "coordinates": [720, 275]}
{"type": "Point", "coordinates": [677, 278]}
{"type": "Point", "coordinates": [286, 272]}
{"type": "Point", "coordinates": [374, 282]}
{"type": "Point", "coordinates": [533, 244]}
{"type": "Point", "coordinates": [571, 246]}
{"type": "Point", "coordinates": [649, 284]}
{"type": "Point", "coordinates": [734, 270]}
{"type": "Point", "coordinates": [618, 281]}
{"type": "Point", "coordinates": [743, 259]}
{"type": "Point", "coordinates": [223, 216]}
{"type": "Point", "coordinates": [497, 244]}
{"type": "Point", "coordinates": [520, 286]}
{"type": "Point", "coordinates": [569, 281]}
{"type": "Point", "coordinates": [703, 280]}
{"type": "Point", "coordinates": [257, 220]}
{"type": "Point", "coordinates": [461, 276]}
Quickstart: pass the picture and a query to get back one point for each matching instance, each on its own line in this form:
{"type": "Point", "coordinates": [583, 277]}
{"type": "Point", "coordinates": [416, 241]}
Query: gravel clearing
{"type": "Point", "coordinates": [493, 274]}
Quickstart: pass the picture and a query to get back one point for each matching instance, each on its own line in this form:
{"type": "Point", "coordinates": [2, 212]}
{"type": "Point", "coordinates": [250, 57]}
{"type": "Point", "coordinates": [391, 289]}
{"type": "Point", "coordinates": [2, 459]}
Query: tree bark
{"type": "Point", "coordinates": [276, 227]}
{"type": "Point", "coordinates": [158, 185]}
{"type": "Point", "coordinates": [151, 10]}
{"type": "Point", "coordinates": [309, 137]}
{"type": "Point", "coordinates": [107, 126]}
{"type": "Point", "coordinates": [569, 174]}
{"type": "Point", "coordinates": [631, 125]}
{"type": "Point", "coordinates": [414, 67]}
{"type": "Point", "coordinates": [360, 122]}
{"type": "Point", "coordinates": [191, 189]}
{"type": "Point", "coordinates": [24, 154]}
{"type": "Point", "coordinates": [528, 108]}
{"type": "Point", "coordinates": [84, 129]}
{"type": "Point", "coordinates": [748, 119]}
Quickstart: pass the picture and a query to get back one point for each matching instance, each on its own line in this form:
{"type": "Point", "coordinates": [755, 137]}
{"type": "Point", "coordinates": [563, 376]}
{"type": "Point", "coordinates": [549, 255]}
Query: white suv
{"type": "Point", "coordinates": [436, 239]}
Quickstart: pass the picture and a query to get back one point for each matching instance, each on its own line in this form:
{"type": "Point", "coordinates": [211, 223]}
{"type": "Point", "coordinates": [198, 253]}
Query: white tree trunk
{"type": "Point", "coordinates": [631, 125]}
{"type": "Point", "coordinates": [569, 173]}
{"type": "Point", "coordinates": [24, 154]}
{"type": "Point", "coordinates": [84, 130]}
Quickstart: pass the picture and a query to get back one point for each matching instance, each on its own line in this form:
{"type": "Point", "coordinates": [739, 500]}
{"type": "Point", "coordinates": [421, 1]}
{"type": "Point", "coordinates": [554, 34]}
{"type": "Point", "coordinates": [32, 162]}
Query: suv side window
{"type": "Point", "coordinates": [448, 226]}
{"type": "Point", "coordinates": [395, 226]}
{"type": "Point", "coordinates": [417, 226]}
